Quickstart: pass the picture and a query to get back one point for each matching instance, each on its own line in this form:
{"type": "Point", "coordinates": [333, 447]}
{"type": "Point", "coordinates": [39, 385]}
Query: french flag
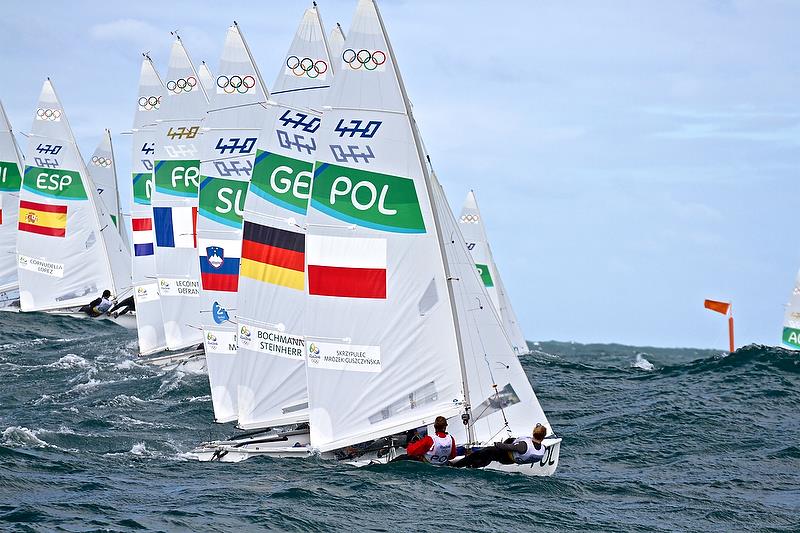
{"type": "Point", "coordinates": [142, 236]}
{"type": "Point", "coordinates": [176, 227]}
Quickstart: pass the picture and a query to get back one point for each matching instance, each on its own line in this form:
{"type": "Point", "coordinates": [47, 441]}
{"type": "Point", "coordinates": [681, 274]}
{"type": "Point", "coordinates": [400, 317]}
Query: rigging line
{"type": "Point", "coordinates": [259, 103]}
{"type": "Point", "coordinates": [299, 89]}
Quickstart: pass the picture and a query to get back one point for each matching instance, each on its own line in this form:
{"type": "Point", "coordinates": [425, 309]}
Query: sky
{"type": "Point", "coordinates": [630, 158]}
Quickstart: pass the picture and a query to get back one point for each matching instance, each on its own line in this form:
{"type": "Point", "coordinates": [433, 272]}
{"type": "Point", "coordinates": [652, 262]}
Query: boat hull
{"type": "Point", "coordinates": [298, 445]}
{"type": "Point", "coordinates": [192, 360]}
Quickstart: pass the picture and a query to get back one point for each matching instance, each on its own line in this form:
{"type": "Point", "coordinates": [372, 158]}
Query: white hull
{"type": "Point", "coordinates": [296, 445]}
{"type": "Point", "coordinates": [127, 321]}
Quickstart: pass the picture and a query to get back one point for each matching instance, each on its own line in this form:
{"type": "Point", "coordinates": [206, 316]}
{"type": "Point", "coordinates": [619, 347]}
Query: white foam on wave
{"type": "Point", "coordinates": [21, 436]}
{"type": "Point", "coordinates": [138, 449]}
{"type": "Point", "coordinates": [89, 385]}
{"type": "Point", "coordinates": [123, 400]}
{"type": "Point", "coordinates": [128, 364]}
{"type": "Point", "coordinates": [642, 363]}
{"type": "Point", "coordinates": [71, 360]}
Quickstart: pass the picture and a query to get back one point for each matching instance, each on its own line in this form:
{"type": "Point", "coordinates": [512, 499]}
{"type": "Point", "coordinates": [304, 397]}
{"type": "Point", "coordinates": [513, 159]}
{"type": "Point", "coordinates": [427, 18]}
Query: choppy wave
{"type": "Point", "coordinates": [654, 440]}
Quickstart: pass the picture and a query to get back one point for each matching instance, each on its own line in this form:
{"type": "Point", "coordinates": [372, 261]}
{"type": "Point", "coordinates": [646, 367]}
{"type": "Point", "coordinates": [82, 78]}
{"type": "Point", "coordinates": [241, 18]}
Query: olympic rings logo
{"type": "Point", "coordinates": [233, 84]}
{"type": "Point", "coordinates": [306, 67]}
{"type": "Point", "coordinates": [48, 114]}
{"type": "Point", "coordinates": [146, 103]}
{"type": "Point", "coordinates": [364, 58]}
{"type": "Point", "coordinates": [182, 85]}
{"type": "Point", "coordinates": [101, 161]}
{"type": "Point", "coordinates": [470, 219]}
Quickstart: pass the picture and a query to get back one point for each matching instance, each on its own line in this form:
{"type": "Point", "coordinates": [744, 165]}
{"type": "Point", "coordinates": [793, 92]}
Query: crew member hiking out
{"type": "Point", "coordinates": [521, 450]}
{"type": "Point", "coordinates": [435, 449]}
{"type": "Point", "coordinates": [127, 305]}
{"type": "Point", "coordinates": [98, 306]}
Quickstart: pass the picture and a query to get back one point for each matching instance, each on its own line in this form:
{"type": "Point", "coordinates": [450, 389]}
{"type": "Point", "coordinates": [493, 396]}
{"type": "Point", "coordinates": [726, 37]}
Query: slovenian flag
{"type": "Point", "coordinates": [346, 266]}
{"type": "Point", "coordinates": [273, 255]}
{"type": "Point", "coordinates": [44, 219]}
{"type": "Point", "coordinates": [142, 236]}
{"type": "Point", "coordinates": [219, 264]}
{"type": "Point", "coordinates": [176, 227]}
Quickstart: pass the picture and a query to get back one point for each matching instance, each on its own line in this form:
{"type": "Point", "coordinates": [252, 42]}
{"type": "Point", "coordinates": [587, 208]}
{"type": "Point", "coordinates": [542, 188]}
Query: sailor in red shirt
{"type": "Point", "coordinates": [436, 449]}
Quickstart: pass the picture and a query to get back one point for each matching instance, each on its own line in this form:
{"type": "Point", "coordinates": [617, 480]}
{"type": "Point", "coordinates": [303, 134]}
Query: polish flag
{"type": "Point", "coordinates": [346, 267]}
{"type": "Point", "coordinates": [142, 236]}
{"type": "Point", "coordinates": [176, 227]}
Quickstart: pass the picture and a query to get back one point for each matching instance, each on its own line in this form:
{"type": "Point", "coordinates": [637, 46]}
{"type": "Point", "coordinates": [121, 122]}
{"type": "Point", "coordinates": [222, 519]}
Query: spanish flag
{"type": "Point", "coordinates": [719, 307]}
{"type": "Point", "coordinates": [273, 255]}
{"type": "Point", "coordinates": [44, 219]}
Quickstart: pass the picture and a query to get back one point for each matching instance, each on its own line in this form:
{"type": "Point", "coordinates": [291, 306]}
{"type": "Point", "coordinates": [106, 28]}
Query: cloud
{"type": "Point", "coordinates": [127, 30]}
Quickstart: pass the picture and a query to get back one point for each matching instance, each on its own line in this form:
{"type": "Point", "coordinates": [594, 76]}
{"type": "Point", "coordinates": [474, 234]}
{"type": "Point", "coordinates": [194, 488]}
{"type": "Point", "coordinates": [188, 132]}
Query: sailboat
{"type": "Point", "coordinates": [68, 247]}
{"type": "Point", "coordinates": [471, 224]}
{"type": "Point", "coordinates": [396, 318]}
{"type": "Point", "coordinates": [10, 183]}
{"type": "Point", "coordinates": [149, 321]}
{"type": "Point", "coordinates": [175, 200]}
{"type": "Point", "coordinates": [103, 170]}
{"type": "Point", "coordinates": [233, 126]}
{"type": "Point", "coordinates": [791, 319]}
{"type": "Point", "coordinates": [272, 379]}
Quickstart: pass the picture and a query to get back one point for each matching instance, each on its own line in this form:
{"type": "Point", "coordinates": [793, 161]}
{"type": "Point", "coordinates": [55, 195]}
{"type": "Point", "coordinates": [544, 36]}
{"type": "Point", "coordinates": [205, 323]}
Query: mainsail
{"type": "Point", "coordinates": [63, 228]}
{"type": "Point", "coordinates": [234, 122]}
{"type": "Point", "coordinates": [10, 182]}
{"type": "Point", "coordinates": [791, 318]}
{"type": "Point", "coordinates": [206, 78]}
{"type": "Point", "coordinates": [379, 320]}
{"type": "Point", "coordinates": [174, 200]}
{"type": "Point", "coordinates": [149, 322]}
{"type": "Point", "coordinates": [271, 355]}
{"type": "Point", "coordinates": [474, 231]}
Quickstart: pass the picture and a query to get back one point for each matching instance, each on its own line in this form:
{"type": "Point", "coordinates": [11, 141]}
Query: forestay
{"type": "Point", "coordinates": [10, 182]}
{"type": "Point", "coordinates": [501, 397]}
{"type": "Point", "coordinates": [272, 386]}
{"type": "Point", "coordinates": [382, 349]}
{"type": "Point", "coordinates": [62, 257]}
{"type": "Point", "coordinates": [234, 122]}
{"type": "Point", "coordinates": [174, 201]}
{"type": "Point", "coordinates": [149, 321]}
{"type": "Point", "coordinates": [791, 319]}
{"type": "Point", "coordinates": [474, 231]}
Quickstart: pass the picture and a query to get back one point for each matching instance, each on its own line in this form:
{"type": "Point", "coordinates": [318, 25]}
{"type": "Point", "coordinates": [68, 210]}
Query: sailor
{"type": "Point", "coordinates": [435, 449]}
{"type": "Point", "coordinates": [521, 450]}
{"type": "Point", "coordinates": [127, 305]}
{"type": "Point", "coordinates": [98, 306]}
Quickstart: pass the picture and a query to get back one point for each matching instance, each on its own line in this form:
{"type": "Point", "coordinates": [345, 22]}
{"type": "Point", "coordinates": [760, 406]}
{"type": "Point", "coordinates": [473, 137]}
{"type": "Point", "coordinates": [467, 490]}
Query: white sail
{"type": "Point", "coordinates": [62, 257]}
{"type": "Point", "coordinates": [174, 201]}
{"type": "Point", "coordinates": [102, 169]}
{"type": "Point", "coordinates": [149, 321]}
{"type": "Point", "coordinates": [336, 40]}
{"type": "Point", "coordinates": [272, 383]}
{"type": "Point", "coordinates": [472, 227]}
{"type": "Point", "coordinates": [501, 398]}
{"type": "Point", "coordinates": [791, 319]}
{"type": "Point", "coordinates": [229, 149]}
{"type": "Point", "coordinates": [383, 354]}
{"type": "Point", "coordinates": [10, 183]}
{"type": "Point", "coordinates": [206, 79]}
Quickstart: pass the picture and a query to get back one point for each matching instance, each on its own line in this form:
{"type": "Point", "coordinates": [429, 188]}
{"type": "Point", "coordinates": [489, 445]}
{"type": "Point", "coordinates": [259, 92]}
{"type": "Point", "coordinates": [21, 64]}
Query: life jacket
{"type": "Point", "coordinates": [441, 450]}
{"type": "Point", "coordinates": [531, 455]}
{"type": "Point", "coordinates": [104, 305]}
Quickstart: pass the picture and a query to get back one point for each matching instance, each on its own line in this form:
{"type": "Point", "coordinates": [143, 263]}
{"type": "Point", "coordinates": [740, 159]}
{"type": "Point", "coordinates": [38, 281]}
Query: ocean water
{"type": "Point", "coordinates": [654, 440]}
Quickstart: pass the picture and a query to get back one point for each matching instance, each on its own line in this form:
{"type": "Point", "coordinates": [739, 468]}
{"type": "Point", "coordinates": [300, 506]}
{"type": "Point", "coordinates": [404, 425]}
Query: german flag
{"type": "Point", "coordinates": [273, 256]}
{"type": "Point", "coordinates": [44, 219]}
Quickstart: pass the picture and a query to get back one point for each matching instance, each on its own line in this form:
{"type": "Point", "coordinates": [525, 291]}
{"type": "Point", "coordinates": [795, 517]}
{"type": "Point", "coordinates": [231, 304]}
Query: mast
{"type": "Point", "coordinates": [250, 54]}
{"type": "Point", "coordinates": [428, 185]}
